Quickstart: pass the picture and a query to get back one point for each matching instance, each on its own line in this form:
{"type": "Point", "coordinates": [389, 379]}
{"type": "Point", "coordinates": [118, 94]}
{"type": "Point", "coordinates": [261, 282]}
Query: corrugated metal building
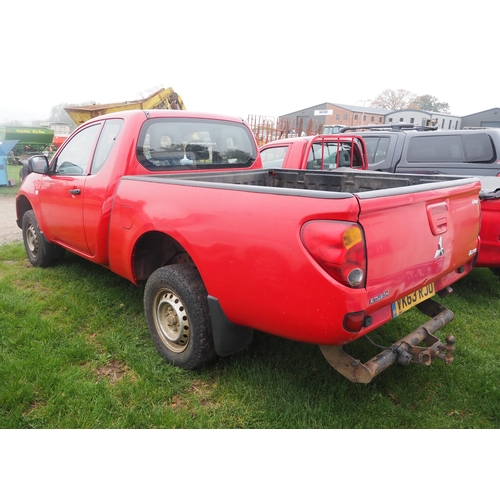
{"type": "Point", "coordinates": [488, 118]}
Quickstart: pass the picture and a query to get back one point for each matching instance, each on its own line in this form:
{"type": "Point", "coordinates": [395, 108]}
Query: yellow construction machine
{"type": "Point", "coordinates": [162, 99]}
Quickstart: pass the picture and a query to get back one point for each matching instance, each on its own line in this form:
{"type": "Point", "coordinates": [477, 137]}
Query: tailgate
{"type": "Point", "coordinates": [417, 237]}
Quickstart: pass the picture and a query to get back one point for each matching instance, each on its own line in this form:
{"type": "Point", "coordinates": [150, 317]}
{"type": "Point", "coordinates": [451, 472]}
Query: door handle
{"type": "Point", "coordinates": [74, 191]}
{"type": "Point", "coordinates": [438, 217]}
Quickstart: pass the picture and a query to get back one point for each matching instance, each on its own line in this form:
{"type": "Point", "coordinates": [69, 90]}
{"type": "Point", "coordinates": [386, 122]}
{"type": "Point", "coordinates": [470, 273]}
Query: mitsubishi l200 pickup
{"type": "Point", "coordinates": [178, 201]}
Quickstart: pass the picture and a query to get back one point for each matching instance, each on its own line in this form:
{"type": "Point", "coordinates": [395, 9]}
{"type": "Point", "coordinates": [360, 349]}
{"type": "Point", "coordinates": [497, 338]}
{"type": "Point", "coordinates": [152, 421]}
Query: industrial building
{"type": "Point", "coordinates": [444, 121]}
{"type": "Point", "coordinates": [488, 118]}
{"type": "Point", "coordinates": [331, 116]}
{"type": "Point", "coordinates": [317, 117]}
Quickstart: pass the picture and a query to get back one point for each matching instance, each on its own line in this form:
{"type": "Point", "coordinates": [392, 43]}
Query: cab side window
{"type": "Point", "coordinates": [273, 157]}
{"type": "Point", "coordinates": [377, 148]}
{"type": "Point", "coordinates": [74, 159]}
{"type": "Point", "coordinates": [106, 141]}
{"type": "Point", "coordinates": [315, 156]}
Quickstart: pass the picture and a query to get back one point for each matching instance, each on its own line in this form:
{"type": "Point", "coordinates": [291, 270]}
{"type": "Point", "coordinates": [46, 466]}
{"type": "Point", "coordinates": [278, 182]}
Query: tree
{"type": "Point", "coordinates": [394, 99]}
{"type": "Point", "coordinates": [430, 103]}
{"type": "Point", "coordinates": [57, 114]}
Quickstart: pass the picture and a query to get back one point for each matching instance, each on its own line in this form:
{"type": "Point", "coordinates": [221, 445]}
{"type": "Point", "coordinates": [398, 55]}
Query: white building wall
{"type": "Point", "coordinates": [443, 121]}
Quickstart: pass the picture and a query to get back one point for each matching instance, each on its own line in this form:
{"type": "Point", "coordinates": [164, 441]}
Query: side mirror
{"type": "Point", "coordinates": [38, 164]}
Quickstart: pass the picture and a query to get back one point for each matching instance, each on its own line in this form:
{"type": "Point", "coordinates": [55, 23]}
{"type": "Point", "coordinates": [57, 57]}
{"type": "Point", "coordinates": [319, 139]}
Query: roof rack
{"type": "Point", "coordinates": [390, 126]}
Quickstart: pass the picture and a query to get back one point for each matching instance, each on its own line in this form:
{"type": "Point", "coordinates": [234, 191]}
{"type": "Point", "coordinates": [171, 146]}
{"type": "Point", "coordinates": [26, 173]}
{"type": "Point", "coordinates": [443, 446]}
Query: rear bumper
{"type": "Point", "coordinates": [406, 350]}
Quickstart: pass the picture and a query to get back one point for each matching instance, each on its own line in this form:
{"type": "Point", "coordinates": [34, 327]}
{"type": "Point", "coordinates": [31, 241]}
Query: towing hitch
{"type": "Point", "coordinates": [406, 350]}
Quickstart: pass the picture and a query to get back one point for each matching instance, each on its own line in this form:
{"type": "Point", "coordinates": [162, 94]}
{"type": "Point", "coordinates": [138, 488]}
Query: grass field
{"type": "Point", "coordinates": [12, 173]}
{"type": "Point", "coordinates": [75, 353]}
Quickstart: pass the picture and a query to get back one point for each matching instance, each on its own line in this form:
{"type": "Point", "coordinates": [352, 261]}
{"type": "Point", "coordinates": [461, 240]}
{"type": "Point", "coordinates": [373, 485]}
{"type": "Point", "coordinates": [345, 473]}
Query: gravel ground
{"type": "Point", "coordinates": [9, 231]}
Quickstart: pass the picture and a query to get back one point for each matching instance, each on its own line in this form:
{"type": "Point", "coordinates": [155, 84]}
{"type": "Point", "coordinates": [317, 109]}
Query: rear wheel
{"type": "Point", "coordinates": [40, 252]}
{"type": "Point", "coordinates": [176, 308]}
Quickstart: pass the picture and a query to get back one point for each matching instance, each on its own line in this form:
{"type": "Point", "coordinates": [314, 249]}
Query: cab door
{"type": "Point", "coordinates": [61, 194]}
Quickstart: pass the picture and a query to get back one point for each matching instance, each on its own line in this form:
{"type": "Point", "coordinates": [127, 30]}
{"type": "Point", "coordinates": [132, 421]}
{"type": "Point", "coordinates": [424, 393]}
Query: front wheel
{"type": "Point", "coordinates": [40, 252]}
{"type": "Point", "coordinates": [176, 308]}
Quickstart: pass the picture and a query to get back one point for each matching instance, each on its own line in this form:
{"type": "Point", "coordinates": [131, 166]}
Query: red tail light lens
{"type": "Point", "coordinates": [339, 248]}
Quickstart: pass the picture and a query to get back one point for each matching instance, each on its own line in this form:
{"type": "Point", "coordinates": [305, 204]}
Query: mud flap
{"type": "Point", "coordinates": [404, 351]}
{"type": "Point", "coordinates": [228, 337]}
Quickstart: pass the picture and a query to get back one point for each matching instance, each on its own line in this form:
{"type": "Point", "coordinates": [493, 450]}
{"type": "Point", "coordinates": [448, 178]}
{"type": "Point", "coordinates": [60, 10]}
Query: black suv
{"type": "Point", "coordinates": [407, 148]}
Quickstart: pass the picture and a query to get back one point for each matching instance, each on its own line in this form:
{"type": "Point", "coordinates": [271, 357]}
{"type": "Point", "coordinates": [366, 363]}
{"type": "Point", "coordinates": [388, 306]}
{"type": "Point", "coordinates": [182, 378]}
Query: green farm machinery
{"type": "Point", "coordinates": [30, 140]}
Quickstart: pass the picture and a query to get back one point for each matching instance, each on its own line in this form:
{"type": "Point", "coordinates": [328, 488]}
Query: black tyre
{"type": "Point", "coordinates": [40, 252]}
{"type": "Point", "coordinates": [176, 308]}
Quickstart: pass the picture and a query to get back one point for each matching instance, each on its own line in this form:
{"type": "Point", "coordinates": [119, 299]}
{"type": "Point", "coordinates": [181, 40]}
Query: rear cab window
{"type": "Point", "coordinates": [323, 155]}
{"type": "Point", "coordinates": [166, 144]}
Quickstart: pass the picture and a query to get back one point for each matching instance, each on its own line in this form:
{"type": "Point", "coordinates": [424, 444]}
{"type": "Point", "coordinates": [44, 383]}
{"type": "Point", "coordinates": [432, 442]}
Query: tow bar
{"type": "Point", "coordinates": [403, 351]}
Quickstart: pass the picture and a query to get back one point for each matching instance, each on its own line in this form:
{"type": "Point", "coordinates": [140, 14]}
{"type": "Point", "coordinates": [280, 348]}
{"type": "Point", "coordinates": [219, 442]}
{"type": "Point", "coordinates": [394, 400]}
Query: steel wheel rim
{"type": "Point", "coordinates": [171, 320]}
{"type": "Point", "coordinates": [31, 239]}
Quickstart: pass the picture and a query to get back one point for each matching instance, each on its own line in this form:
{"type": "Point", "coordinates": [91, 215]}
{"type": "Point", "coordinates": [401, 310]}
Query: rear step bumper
{"type": "Point", "coordinates": [402, 352]}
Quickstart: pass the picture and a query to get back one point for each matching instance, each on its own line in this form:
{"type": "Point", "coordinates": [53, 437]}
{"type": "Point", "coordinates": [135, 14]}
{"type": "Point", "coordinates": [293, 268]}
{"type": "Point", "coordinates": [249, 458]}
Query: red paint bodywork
{"type": "Point", "coordinates": [246, 243]}
{"type": "Point", "coordinates": [489, 256]}
{"type": "Point", "coordinates": [298, 151]}
{"type": "Point", "coordinates": [252, 259]}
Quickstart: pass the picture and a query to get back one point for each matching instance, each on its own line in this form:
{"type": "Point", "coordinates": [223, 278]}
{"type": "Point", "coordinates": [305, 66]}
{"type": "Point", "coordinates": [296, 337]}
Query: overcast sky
{"type": "Point", "coordinates": [246, 58]}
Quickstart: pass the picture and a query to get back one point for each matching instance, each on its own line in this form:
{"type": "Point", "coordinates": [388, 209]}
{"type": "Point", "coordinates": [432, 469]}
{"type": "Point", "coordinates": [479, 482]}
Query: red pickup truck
{"type": "Point", "coordinates": [179, 201]}
{"type": "Point", "coordinates": [316, 152]}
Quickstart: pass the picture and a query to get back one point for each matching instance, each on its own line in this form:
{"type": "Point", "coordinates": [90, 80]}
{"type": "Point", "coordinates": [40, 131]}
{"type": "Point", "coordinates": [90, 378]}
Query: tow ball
{"type": "Point", "coordinates": [407, 350]}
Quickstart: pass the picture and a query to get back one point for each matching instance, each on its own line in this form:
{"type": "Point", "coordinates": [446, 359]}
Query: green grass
{"type": "Point", "coordinates": [12, 173]}
{"type": "Point", "coordinates": [75, 353]}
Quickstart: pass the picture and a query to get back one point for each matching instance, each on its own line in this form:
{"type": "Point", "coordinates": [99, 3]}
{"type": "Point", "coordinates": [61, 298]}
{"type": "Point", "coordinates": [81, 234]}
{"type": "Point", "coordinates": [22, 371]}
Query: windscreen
{"type": "Point", "coordinates": [192, 143]}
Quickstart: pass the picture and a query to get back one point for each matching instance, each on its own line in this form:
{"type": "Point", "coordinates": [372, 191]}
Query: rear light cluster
{"type": "Point", "coordinates": [339, 248]}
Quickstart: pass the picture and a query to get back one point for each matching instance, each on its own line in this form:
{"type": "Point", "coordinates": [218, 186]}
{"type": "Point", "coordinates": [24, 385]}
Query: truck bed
{"type": "Point", "coordinates": [340, 183]}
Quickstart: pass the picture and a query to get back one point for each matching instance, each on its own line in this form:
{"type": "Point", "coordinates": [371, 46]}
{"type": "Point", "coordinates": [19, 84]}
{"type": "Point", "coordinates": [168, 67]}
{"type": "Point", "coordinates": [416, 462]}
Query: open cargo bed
{"type": "Point", "coordinates": [345, 181]}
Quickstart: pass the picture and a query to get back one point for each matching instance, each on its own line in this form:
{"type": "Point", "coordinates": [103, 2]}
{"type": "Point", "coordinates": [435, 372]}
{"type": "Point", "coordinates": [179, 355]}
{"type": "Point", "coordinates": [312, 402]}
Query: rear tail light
{"type": "Point", "coordinates": [339, 248]}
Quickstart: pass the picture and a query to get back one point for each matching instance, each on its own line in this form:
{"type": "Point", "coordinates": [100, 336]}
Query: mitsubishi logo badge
{"type": "Point", "coordinates": [440, 250]}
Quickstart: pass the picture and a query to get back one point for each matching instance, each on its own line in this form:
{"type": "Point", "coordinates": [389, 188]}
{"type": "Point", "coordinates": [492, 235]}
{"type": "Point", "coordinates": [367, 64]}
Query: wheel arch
{"type": "Point", "coordinates": [22, 206]}
{"type": "Point", "coordinates": [155, 249]}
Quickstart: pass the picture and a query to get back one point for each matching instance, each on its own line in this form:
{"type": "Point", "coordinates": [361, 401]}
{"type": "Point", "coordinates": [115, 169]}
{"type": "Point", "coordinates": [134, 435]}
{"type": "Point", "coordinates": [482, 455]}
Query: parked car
{"type": "Point", "coordinates": [406, 148]}
{"type": "Point", "coordinates": [315, 152]}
